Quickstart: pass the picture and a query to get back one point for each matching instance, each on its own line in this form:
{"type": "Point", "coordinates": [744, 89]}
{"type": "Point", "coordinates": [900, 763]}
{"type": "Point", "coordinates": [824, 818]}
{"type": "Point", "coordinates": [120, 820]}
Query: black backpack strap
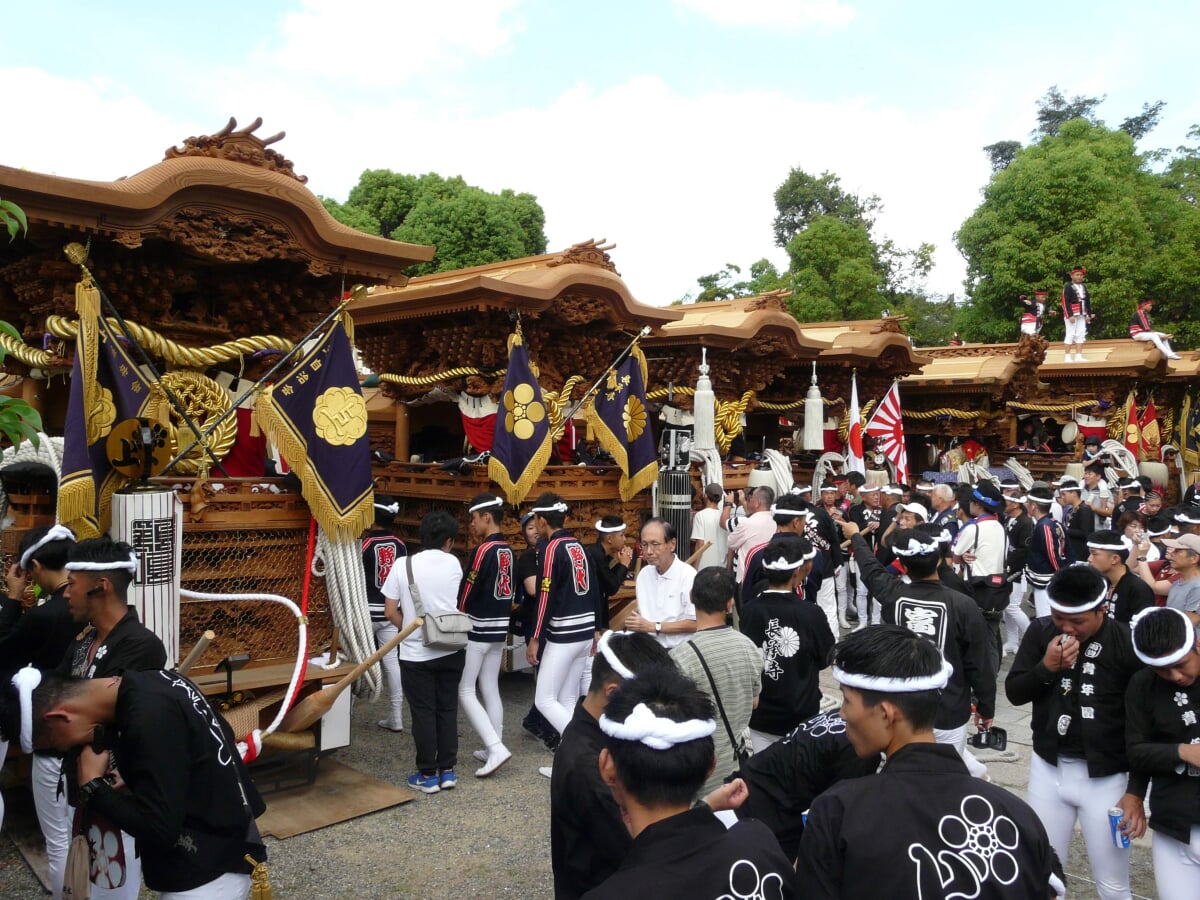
{"type": "Point", "coordinates": [733, 742]}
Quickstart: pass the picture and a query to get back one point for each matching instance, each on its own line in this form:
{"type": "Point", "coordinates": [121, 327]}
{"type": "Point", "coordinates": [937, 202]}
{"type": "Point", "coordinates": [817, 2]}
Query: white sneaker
{"type": "Point", "coordinates": [1173, 356]}
{"type": "Point", "coordinates": [1079, 358]}
{"type": "Point", "coordinates": [480, 755]}
{"type": "Point", "coordinates": [494, 761]}
{"type": "Point", "coordinates": [390, 725]}
{"type": "Point", "coordinates": [546, 770]}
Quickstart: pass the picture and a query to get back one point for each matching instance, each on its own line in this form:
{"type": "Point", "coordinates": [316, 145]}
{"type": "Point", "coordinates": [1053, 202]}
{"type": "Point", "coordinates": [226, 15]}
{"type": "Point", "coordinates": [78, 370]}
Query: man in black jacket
{"type": "Point", "coordinates": [588, 840]}
{"type": "Point", "coordinates": [1079, 520]}
{"type": "Point", "coordinates": [181, 789]}
{"type": "Point", "coordinates": [950, 620]}
{"type": "Point", "coordinates": [1074, 666]}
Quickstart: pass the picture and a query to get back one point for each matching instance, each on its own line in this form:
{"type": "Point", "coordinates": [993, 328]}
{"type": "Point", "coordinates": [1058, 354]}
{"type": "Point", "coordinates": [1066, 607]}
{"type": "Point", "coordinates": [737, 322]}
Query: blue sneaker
{"type": "Point", "coordinates": [447, 779]}
{"type": "Point", "coordinates": [427, 784]}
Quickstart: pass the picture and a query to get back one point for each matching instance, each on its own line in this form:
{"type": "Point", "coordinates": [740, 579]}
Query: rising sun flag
{"type": "Point", "coordinates": [887, 427]}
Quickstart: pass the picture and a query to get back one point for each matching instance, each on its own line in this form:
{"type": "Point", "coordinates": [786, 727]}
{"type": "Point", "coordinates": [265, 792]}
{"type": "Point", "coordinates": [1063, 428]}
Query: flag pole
{"type": "Point", "coordinates": [356, 292]}
{"type": "Point", "coordinates": [621, 357]}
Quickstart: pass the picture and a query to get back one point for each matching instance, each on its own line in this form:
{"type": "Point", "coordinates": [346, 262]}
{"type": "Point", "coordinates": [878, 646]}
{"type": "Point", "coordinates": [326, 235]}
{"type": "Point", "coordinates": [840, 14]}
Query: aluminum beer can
{"type": "Point", "coordinates": [1120, 841]}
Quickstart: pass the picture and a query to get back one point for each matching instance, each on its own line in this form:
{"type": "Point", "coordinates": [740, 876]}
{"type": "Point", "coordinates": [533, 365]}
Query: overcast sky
{"type": "Point", "coordinates": [664, 127]}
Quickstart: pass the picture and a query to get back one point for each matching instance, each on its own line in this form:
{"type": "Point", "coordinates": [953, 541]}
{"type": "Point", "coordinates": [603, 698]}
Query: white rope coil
{"type": "Point", "coordinates": [48, 451]}
{"type": "Point", "coordinates": [346, 585]}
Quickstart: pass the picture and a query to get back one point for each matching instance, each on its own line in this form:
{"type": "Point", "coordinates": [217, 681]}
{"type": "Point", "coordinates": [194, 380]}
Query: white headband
{"type": "Point", "coordinates": [789, 513]}
{"type": "Point", "coordinates": [1072, 610]}
{"type": "Point", "coordinates": [895, 685]}
{"type": "Point", "coordinates": [1189, 518]}
{"type": "Point", "coordinates": [611, 655]}
{"type": "Point", "coordinates": [25, 681]}
{"type": "Point", "coordinates": [807, 489]}
{"type": "Point", "coordinates": [558, 507]}
{"type": "Point", "coordinates": [656, 732]}
{"type": "Point", "coordinates": [829, 488]}
{"type": "Point", "coordinates": [129, 565]}
{"type": "Point", "coordinates": [1124, 545]}
{"type": "Point", "coordinates": [56, 533]}
{"type": "Point", "coordinates": [894, 491]}
{"type": "Point", "coordinates": [614, 530]}
{"type": "Point", "coordinates": [393, 507]}
{"type": "Point", "coordinates": [918, 548]}
{"type": "Point", "coordinates": [1020, 498]}
{"type": "Point", "coordinates": [1189, 638]}
{"type": "Point", "coordinates": [486, 504]}
{"type": "Point", "coordinates": [782, 565]}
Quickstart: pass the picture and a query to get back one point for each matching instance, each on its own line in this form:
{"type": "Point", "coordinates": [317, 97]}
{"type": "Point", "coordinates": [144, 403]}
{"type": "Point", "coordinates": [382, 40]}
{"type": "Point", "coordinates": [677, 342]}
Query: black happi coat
{"type": "Point", "coordinates": [1159, 717]}
{"type": "Point", "coordinates": [785, 778]}
{"type": "Point", "coordinates": [1093, 690]}
{"type": "Point", "coordinates": [692, 855]}
{"type": "Point", "coordinates": [795, 641]}
{"type": "Point", "coordinates": [588, 839]}
{"type": "Point", "coordinates": [380, 551]}
{"type": "Point", "coordinates": [610, 575]}
{"type": "Point", "coordinates": [190, 804]}
{"type": "Point", "coordinates": [1129, 596]}
{"type": "Point", "coordinates": [489, 589]}
{"type": "Point", "coordinates": [924, 827]}
{"type": "Point", "coordinates": [952, 621]}
{"type": "Point", "coordinates": [38, 636]}
{"type": "Point", "coordinates": [565, 611]}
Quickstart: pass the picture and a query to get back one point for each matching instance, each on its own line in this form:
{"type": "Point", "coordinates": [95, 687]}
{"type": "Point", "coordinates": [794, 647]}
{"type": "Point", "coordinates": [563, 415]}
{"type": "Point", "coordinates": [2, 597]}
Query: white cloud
{"type": "Point", "coordinates": [779, 13]}
{"type": "Point", "coordinates": [382, 43]}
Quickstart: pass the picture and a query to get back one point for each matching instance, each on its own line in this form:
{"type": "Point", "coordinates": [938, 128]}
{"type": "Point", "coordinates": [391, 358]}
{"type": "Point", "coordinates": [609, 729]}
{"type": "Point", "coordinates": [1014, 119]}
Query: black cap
{"type": "Point", "coordinates": [1092, 441]}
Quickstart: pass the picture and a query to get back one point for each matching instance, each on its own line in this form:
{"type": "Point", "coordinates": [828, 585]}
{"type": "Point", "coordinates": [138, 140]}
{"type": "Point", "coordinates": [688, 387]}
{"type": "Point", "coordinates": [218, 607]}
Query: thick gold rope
{"type": "Point", "coordinates": [205, 401]}
{"type": "Point", "coordinates": [176, 354]}
{"type": "Point", "coordinates": [447, 375]}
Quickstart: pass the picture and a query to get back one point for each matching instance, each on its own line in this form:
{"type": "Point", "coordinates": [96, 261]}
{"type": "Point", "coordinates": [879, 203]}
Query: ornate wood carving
{"type": "Point", "coordinates": [589, 253]}
{"type": "Point", "coordinates": [241, 146]}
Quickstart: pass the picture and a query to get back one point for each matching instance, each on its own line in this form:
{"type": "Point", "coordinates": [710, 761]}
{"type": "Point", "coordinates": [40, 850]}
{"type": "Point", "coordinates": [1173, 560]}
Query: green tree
{"type": "Point", "coordinates": [1083, 196]}
{"type": "Point", "coordinates": [12, 219]}
{"type": "Point", "coordinates": [1001, 153]}
{"type": "Point", "coordinates": [1054, 110]}
{"type": "Point", "coordinates": [468, 225]}
{"type": "Point", "coordinates": [931, 320]}
{"type": "Point", "coordinates": [802, 198]}
{"type": "Point", "coordinates": [18, 420]}
{"type": "Point", "coordinates": [835, 272]}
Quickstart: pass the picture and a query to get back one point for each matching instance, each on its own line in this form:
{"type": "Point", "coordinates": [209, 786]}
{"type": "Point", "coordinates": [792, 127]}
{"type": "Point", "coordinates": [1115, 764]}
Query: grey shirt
{"type": "Point", "coordinates": [1185, 596]}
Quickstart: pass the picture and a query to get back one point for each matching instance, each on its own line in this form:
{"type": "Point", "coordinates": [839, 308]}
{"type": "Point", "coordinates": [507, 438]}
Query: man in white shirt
{"type": "Point", "coordinates": [663, 606]}
{"type": "Point", "coordinates": [981, 546]}
{"type": "Point", "coordinates": [706, 526]}
{"type": "Point", "coordinates": [752, 531]}
{"type": "Point", "coordinates": [1097, 493]}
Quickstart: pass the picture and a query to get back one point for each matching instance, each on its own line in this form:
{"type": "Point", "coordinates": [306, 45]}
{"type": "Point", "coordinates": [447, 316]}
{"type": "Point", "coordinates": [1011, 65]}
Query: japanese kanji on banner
{"type": "Point", "coordinates": [621, 425]}
{"type": "Point", "coordinates": [152, 523]}
{"type": "Point", "coordinates": [887, 427]}
{"type": "Point", "coordinates": [106, 387]}
{"type": "Point", "coordinates": [316, 416]}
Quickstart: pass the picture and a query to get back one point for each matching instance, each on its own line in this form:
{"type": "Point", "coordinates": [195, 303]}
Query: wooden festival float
{"type": "Point", "coordinates": [213, 256]}
{"type": "Point", "coordinates": [987, 393]}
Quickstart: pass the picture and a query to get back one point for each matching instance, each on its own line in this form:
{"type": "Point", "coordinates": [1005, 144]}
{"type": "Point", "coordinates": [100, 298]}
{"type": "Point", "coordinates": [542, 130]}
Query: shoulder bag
{"type": "Point", "coordinates": [443, 631]}
{"type": "Point", "coordinates": [991, 592]}
{"type": "Point", "coordinates": [740, 751]}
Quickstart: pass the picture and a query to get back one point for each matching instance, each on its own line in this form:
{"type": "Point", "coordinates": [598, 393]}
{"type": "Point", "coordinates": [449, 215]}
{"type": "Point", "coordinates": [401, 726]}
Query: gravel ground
{"type": "Point", "coordinates": [487, 837]}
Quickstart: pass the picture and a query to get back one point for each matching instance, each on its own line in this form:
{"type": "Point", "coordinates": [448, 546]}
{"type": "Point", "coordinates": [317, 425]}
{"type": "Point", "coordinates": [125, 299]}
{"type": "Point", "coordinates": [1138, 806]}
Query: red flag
{"type": "Point", "coordinates": [888, 430]}
{"type": "Point", "coordinates": [1151, 435]}
{"type": "Point", "coordinates": [854, 448]}
{"type": "Point", "coordinates": [1133, 434]}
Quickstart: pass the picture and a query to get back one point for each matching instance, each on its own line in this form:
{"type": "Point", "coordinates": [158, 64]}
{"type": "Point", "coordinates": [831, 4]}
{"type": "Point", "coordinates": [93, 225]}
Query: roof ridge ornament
{"type": "Point", "coordinates": [589, 253]}
{"type": "Point", "coordinates": [241, 145]}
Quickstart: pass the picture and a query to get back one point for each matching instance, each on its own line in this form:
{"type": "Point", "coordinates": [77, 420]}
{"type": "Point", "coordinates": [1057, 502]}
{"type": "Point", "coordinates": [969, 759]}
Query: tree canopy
{"type": "Point", "coordinates": [1082, 195]}
{"type": "Point", "coordinates": [468, 225]}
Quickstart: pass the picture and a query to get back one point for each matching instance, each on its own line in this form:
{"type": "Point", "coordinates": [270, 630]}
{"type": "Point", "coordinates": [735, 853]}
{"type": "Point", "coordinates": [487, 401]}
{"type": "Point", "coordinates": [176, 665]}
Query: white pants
{"type": "Point", "coordinates": [957, 738]}
{"type": "Point", "coordinates": [133, 876]}
{"type": "Point", "coordinates": [1177, 867]}
{"type": "Point", "coordinates": [1063, 793]}
{"type": "Point", "coordinates": [1041, 602]}
{"type": "Point", "coordinates": [760, 740]}
{"type": "Point", "coordinates": [839, 587]}
{"type": "Point", "coordinates": [230, 886]}
{"type": "Point", "coordinates": [1076, 328]}
{"type": "Point", "coordinates": [384, 632]}
{"type": "Point", "coordinates": [1015, 620]}
{"type": "Point", "coordinates": [1159, 339]}
{"type": "Point", "coordinates": [827, 601]}
{"type": "Point", "coordinates": [1029, 328]}
{"type": "Point", "coordinates": [863, 602]}
{"type": "Point", "coordinates": [558, 681]}
{"type": "Point", "coordinates": [482, 666]}
{"type": "Point", "coordinates": [54, 815]}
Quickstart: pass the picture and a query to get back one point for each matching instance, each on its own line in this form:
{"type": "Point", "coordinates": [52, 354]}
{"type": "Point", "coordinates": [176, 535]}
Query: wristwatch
{"type": "Point", "coordinates": [87, 790]}
{"type": "Point", "coordinates": [658, 627]}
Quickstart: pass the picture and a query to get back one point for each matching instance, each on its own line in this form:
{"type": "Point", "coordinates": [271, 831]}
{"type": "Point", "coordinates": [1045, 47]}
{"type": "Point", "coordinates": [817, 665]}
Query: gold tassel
{"type": "Point", "coordinates": [348, 327]}
{"type": "Point", "coordinates": [87, 298]}
{"type": "Point", "coordinates": [260, 880]}
{"type": "Point", "coordinates": [159, 409]}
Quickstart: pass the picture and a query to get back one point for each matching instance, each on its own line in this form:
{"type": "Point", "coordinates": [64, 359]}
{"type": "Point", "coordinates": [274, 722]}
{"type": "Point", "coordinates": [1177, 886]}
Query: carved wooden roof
{"type": "Point", "coordinates": [225, 198]}
{"type": "Point", "coordinates": [760, 326]}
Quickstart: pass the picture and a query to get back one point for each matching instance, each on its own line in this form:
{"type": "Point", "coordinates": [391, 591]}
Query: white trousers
{"type": "Point", "coordinates": [1064, 793]}
{"type": "Point", "coordinates": [1159, 340]}
{"type": "Point", "coordinates": [827, 601]}
{"type": "Point", "coordinates": [1041, 602]}
{"type": "Point", "coordinates": [1076, 328]}
{"type": "Point", "coordinates": [957, 738]}
{"type": "Point", "coordinates": [863, 603]}
{"type": "Point", "coordinates": [230, 886]}
{"type": "Point", "coordinates": [1029, 328]}
{"type": "Point", "coordinates": [1015, 620]}
{"type": "Point", "coordinates": [1177, 866]}
{"type": "Point", "coordinates": [558, 681]}
{"type": "Point", "coordinates": [839, 587]}
{"type": "Point", "coordinates": [482, 667]}
{"type": "Point", "coordinates": [761, 740]}
{"type": "Point", "coordinates": [384, 632]}
{"type": "Point", "coordinates": [54, 815]}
